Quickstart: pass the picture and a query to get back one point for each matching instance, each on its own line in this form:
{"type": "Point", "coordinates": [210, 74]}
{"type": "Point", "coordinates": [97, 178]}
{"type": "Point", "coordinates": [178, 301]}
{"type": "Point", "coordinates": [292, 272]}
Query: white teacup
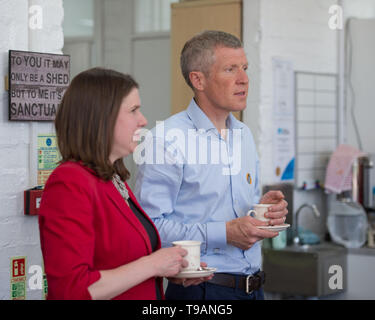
{"type": "Point", "coordinates": [259, 211]}
{"type": "Point", "coordinates": [193, 256]}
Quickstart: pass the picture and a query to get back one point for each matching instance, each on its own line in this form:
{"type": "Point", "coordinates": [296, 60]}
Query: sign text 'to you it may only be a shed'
{"type": "Point", "coordinates": [37, 83]}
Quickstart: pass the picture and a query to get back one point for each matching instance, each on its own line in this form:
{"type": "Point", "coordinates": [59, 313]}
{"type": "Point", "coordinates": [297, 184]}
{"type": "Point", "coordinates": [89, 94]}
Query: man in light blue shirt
{"type": "Point", "coordinates": [199, 175]}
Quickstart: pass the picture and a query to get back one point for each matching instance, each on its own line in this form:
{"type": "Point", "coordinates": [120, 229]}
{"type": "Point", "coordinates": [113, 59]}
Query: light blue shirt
{"type": "Point", "coordinates": [193, 181]}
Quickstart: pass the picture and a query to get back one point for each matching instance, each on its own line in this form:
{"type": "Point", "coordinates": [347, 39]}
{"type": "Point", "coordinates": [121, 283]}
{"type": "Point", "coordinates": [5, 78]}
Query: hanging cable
{"type": "Point", "coordinates": [349, 54]}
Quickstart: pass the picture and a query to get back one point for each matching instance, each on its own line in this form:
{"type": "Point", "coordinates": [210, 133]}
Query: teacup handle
{"type": "Point", "coordinates": [249, 213]}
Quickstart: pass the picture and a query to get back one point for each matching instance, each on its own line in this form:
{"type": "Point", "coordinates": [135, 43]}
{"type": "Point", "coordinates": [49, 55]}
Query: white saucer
{"type": "Point", "coordinates": [276, 228]}
{"type": "Point", "coordinates": [196, 274]}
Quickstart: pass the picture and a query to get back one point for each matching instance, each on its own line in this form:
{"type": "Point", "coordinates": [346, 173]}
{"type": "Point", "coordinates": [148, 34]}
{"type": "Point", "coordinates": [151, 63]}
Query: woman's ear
{"type": "Point", "coordinates": [198, 80]}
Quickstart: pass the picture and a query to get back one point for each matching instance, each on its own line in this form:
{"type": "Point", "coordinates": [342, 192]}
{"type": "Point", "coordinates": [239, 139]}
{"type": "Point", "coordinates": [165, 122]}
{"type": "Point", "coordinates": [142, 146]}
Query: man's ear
{"type": "Point", "coordinates": [198, 80]}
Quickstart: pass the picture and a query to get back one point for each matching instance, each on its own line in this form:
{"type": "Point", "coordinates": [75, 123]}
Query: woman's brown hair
{"type": "Point", "coordinates": [86, 119]}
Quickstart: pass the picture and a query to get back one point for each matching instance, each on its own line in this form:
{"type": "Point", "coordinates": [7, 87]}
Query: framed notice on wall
{"type": "Point", "coordinates": [283, 120]}
{"type": "Point", "coordinates": [48, 157]}
{"type": "Point", "coordinates": [37, 83]}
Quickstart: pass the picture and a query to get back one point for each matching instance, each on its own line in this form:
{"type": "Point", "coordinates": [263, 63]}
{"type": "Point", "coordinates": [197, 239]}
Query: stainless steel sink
{"type": "Point", "coordinates": [304, 270]}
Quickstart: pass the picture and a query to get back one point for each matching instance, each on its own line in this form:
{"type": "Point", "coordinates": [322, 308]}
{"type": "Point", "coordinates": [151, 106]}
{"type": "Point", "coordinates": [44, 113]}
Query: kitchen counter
{"type": "Point", "coordinates": [362, 251]}
{"type": "Point", "coordinates": [359, 251]}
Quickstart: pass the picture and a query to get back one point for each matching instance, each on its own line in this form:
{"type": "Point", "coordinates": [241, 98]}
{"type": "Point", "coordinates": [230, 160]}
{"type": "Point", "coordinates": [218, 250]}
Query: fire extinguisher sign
{"type": "Point", "coordinates": [18, 278]}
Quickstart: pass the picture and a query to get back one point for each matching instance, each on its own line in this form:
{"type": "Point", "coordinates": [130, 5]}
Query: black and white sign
{"type": "Point", "coordinates": [37, 83]}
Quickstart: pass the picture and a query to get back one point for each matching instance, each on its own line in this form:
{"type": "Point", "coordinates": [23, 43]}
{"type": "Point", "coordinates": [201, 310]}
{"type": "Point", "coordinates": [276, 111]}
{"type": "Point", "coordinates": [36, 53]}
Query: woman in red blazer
{"type": "Point", "coordinates": [96, 240]}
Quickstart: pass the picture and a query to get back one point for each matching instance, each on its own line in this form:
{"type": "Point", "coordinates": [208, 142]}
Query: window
{"type": "Point", "coordinates": [78, 18]}
{"type": "Point", "coordinates": [152, 15]}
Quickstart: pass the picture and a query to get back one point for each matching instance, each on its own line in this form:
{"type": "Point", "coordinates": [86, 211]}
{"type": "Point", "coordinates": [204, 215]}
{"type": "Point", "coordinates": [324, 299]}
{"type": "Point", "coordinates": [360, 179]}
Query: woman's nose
{"type": "Point", "coordinates": [143, 121]}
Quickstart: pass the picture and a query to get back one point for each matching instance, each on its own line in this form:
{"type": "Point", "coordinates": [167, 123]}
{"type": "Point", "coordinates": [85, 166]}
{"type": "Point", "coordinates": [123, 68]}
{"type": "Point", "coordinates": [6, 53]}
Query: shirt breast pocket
{"type": "Point", "coordinates": [245, 193]}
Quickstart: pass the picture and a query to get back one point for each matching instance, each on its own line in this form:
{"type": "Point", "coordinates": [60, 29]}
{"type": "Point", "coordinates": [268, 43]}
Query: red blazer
{"type": "Point", "coordinates": [86, 226]}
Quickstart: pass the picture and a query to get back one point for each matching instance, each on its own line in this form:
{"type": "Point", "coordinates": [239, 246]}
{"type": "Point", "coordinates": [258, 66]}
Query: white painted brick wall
{"type": "Point", "coordinates": [296, 30]}
{"type": "Point", "coordinates": [19, 234]}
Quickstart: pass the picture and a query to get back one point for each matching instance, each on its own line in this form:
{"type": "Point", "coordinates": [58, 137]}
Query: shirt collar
{"type": "Point", "coordinates": [198, 117]}
{"type": "Point", "coordinates": [233, 123]}
{"type": "Point", "coordinates": [201, 121]}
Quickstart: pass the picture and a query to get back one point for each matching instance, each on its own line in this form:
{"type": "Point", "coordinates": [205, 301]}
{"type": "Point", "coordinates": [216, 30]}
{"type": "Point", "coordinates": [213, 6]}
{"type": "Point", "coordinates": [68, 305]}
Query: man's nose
{"type": "Point", "coordinates": [243, 77]}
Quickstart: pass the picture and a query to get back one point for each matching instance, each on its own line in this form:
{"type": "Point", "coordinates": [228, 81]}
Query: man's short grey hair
{"type": "Point", "coordinates": [198, 52]}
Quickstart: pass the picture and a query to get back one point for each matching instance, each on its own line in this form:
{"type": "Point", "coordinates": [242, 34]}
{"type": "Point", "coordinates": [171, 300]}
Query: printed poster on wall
{"type": "Point", "coordinates": [48, 156]}
{"type": "Point", "coordinates": [283, 120]}
{"type": "Point", "coordinates": [18, 278]}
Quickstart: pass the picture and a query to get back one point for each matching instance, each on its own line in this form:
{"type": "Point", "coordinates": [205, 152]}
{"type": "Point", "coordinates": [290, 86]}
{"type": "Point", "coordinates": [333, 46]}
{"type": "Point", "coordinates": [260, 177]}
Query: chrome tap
{"type": "Point", "coordinates": [296, 239]}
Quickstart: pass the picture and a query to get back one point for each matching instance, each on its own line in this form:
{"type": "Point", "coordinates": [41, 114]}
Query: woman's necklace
{"type": "Point", "coordinates": [120, 186]}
